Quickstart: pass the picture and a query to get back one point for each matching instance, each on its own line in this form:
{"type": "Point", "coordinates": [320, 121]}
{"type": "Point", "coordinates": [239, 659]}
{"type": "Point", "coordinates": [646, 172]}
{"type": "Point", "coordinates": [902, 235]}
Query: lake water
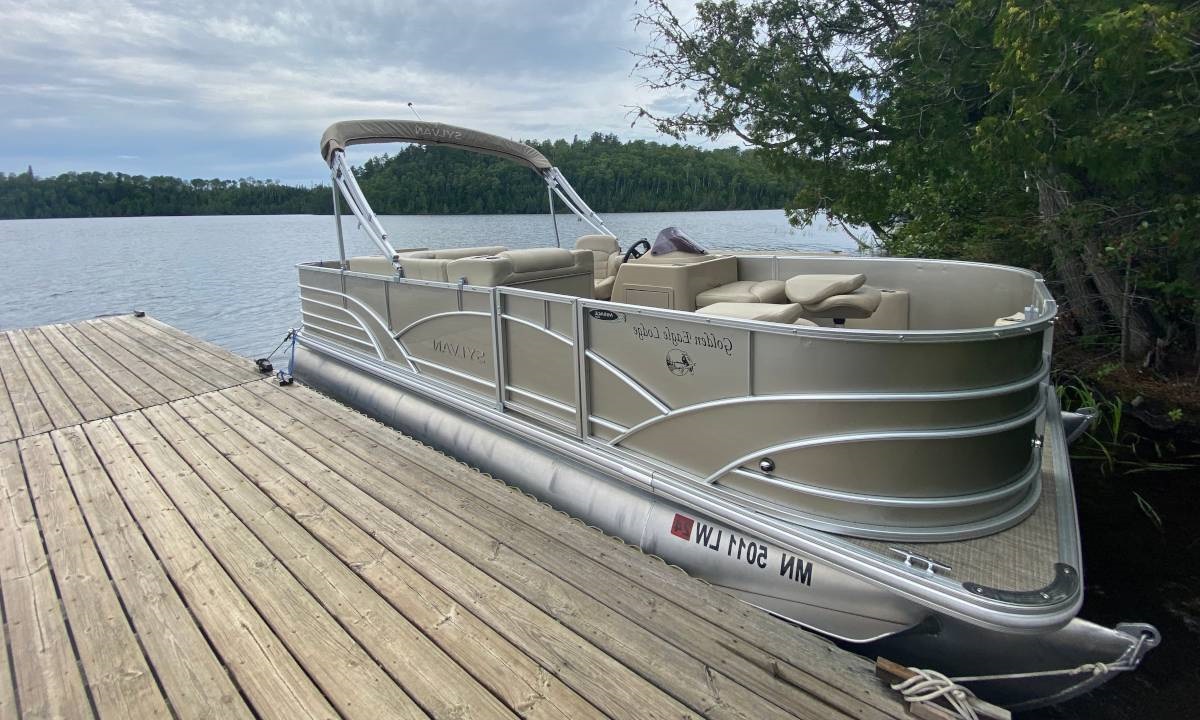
{"type": "Point", "coordinates": [232, 279]}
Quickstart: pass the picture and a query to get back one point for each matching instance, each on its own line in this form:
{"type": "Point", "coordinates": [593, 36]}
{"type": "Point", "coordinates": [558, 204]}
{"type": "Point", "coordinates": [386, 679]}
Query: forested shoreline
{"type": "Point", "coordinates": [612, 175]}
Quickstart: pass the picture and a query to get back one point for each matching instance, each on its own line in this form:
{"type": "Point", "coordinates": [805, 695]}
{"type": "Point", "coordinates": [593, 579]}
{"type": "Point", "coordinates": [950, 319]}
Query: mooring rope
{"type": "Point", "coordinates": [281, 342]}
{"type": "Point", "coordinates": [929, 685]}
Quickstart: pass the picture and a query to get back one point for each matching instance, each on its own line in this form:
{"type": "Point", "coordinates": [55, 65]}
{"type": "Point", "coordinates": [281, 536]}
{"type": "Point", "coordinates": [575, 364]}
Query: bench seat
{"type": "Point", "coordinates": [744, 291]}
{"type": "Point", "coordinates": [788, 313]}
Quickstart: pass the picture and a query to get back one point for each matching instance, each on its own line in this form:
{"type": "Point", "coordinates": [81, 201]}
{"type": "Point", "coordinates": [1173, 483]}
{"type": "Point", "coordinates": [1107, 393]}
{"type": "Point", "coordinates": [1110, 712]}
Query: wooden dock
{"type": "Point", "coordinates": [180, 537]}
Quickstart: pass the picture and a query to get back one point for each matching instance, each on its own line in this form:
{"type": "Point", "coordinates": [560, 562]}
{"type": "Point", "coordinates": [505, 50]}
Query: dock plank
{"type": "Point", "coordinates": [8, 692]}
{"type": "Point", "coordinates": [47, 678]}
{"type": "Point", "coordinates": [499, 665]}
{"type": "Point", "coordinates": [213, 348]}
{"type": "Point", "coordinates": [185, 354]}
{"type": "Point", "coordinates": [80, 393]}
{"type": "Point", "coordinates": [824, 667]}
{"type": "Point", "coordinates": [58, 405]}
{"type": "Point", "coordinates": [192, 676]}
{"type": "Point", "coordinates": [164, 386]}
{"type": "Point", "coordinates": [168, 363]}
{"type": "Point", "coordinates": [110, 368]}
{"type": "Point", "coordinates": [434, 680]}
{"type": "Point", "coordinates": [118, 676]}
{"type": "Point", "coordinates": [31, 414]}
{"type": "Point", "coordinates": [268, 675]}
{"type": "Point", "coordinates": [108, 391]}
{"type": "Point", "coordinates": [351, 679]}
{"type": "Point", "coordinates": [10, 426]}
{"type": "Point", "coordinates": [693, 682]}
{"type": "Point", "coordinates": [233, 365]}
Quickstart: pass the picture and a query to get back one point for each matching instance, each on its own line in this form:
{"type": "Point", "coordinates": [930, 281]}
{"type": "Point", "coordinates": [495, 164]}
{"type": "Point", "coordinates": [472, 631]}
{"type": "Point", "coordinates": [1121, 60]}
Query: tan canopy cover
{"type": "Point", "coordinates": [354, 132]}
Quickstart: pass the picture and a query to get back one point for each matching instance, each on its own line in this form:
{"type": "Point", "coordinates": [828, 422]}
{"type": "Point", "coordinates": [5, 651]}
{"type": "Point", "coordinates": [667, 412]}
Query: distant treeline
{"type": "Point", "coordinates": [94, 194]}
{"type": "Point", "coordinates": [611, 175]}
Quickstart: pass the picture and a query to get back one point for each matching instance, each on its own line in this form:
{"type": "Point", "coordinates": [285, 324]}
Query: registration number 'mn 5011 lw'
{"type": "Point", "coordinates": [756, 554]}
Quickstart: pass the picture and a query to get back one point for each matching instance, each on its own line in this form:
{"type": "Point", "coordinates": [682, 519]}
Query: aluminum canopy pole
{"type": "Point", "coordinates": [352, 182]}
{"type": "Point", "coordinates": [344, 180]}
{"type": "Point", "coordinates": [553, 219]}
{"type": "Point", "coordinates": [556, 180]}
{"type": "Point", "coordinates": [578, 213]}
{"type": "Point", "coordinates": [381, 243]}
{"type": "Point", "coordinates": [337, 219]}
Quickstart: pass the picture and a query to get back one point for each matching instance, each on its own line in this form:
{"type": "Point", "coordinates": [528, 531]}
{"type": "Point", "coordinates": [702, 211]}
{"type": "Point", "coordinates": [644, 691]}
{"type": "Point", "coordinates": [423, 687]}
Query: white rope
{"type": "Point", "coordinates": [929, 685]}
{"type": "Point", "coordinates": [1096, 668]}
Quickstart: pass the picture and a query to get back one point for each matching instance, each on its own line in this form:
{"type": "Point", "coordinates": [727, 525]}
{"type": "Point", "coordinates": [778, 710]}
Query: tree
{"type": "Point", "coordinates": [1052, 134]}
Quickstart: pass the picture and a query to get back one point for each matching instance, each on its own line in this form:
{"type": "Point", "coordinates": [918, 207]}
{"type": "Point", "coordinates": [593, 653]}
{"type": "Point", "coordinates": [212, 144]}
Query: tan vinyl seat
{"type": "Point", "coordinates": [433, 264]}
{"type": "Point", "coordinates": [605, 249]}
{"type": "Point", "coordinates": [568, 272]}
{"type": "Point", "coordinates": [812, 289]}
{"type": "Point", "coordinates": [859, 304]}
{"type": "Point", "coordinates": [763, 312]}
{"type": "Point", "coordinates": [744, 291]}
{"type": "Point", "coordinates": [839, 297]}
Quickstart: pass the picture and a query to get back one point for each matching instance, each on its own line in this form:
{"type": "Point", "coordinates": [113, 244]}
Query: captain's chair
{"type": "Point", "coordinates": [606, 255]}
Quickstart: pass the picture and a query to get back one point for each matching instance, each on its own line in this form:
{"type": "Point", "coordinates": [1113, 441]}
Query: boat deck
{"type": "Point", "coordinates": [181, 537]}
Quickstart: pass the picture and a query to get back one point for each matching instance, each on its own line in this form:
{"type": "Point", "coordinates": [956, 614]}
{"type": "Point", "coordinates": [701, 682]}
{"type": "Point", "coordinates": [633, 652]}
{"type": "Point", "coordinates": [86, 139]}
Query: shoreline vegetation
{"type": "Point", "coordinates": [1057, 136]}
{"type": "Point", "coordinates": [614, 176]}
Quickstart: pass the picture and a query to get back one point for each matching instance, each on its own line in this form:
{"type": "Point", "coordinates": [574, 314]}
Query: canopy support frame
{"type": "Point", "coordinates": [345, 182]}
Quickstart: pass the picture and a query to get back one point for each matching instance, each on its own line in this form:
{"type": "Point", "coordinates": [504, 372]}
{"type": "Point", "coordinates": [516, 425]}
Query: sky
{"type": "Point", "coordinates": [232, 90]}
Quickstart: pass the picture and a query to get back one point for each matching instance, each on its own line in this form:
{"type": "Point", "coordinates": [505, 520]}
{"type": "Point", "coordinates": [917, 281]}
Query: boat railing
{"type": "Point", "coordinates": [774, 409]}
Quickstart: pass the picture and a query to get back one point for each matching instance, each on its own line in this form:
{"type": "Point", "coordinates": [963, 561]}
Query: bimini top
{"type": "Point", "coordinates": [356, 132]}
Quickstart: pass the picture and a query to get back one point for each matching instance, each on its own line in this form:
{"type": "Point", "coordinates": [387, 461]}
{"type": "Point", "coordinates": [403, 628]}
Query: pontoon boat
{"type": "Point", "coordinates": [869, 447]}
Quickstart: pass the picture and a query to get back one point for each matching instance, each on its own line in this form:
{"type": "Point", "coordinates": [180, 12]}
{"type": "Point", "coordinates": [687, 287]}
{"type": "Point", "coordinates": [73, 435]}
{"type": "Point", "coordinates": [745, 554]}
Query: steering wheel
{"type": "Point", "coordinates": [634, 253]}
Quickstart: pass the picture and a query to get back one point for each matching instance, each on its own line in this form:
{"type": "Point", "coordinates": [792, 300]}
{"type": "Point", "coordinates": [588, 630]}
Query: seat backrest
{"type": "Point", "coordinates": [431, 264]}
{"type": "Point", "coordinates": [535, 267]}
{"type": "Point", "coordinates": [602, 247]}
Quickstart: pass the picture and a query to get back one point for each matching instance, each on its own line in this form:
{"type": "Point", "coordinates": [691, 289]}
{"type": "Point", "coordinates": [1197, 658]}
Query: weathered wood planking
{"type": "Point", "coordinates": [117, 673]}
{"type": "Point", "coordinates": [701, 684]}
{"type": "Point", "coordinates": [59, 376]}
{"type": "Point", "coordinates": [179, 538]}
{"type": "Point", "coordinates": [128, 381]}
{"type": "Point", "coordinates": [30, 415]}
{"type": "Point", "coordinates": [45, 672]}
{"type": "Point", "coordinates": [820, 667]}
{"type": "Point", "coordinates": [270, 677]}
{"type": "Point", "coordinates": [54, 399]}
{"type": "Point", "coordinates": [499, 665]}
{"type": "Point", "coordinates": [192, 675]}
{"type": "Point", "coordinates": [436, 682]}
{"type": "Point", "coordinates": [115, 397]}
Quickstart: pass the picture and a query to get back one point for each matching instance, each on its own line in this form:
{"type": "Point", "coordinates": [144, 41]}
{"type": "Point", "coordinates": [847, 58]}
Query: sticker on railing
{"type": "Point", "coordinates": [602, 314]}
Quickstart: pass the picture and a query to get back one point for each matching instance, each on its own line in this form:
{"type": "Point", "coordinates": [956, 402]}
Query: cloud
{"type": "Point", "coordinates": [210, 89]}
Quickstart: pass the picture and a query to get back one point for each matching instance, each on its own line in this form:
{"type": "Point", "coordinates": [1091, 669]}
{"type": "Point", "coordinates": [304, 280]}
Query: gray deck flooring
{"type": "Point", "coordinates": [180, 537]}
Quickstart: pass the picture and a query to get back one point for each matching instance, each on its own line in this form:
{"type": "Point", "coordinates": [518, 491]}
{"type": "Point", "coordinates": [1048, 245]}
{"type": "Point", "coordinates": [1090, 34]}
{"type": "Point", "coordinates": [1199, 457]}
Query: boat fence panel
{"type": "Point", "coordinates": [446, 331]}
{"type": "Point", "coordinates": [855, 432]}
{"type": "Point", "coordinates": [538, 365]}
{"type": "Point", "coordinates": [836, 430]}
